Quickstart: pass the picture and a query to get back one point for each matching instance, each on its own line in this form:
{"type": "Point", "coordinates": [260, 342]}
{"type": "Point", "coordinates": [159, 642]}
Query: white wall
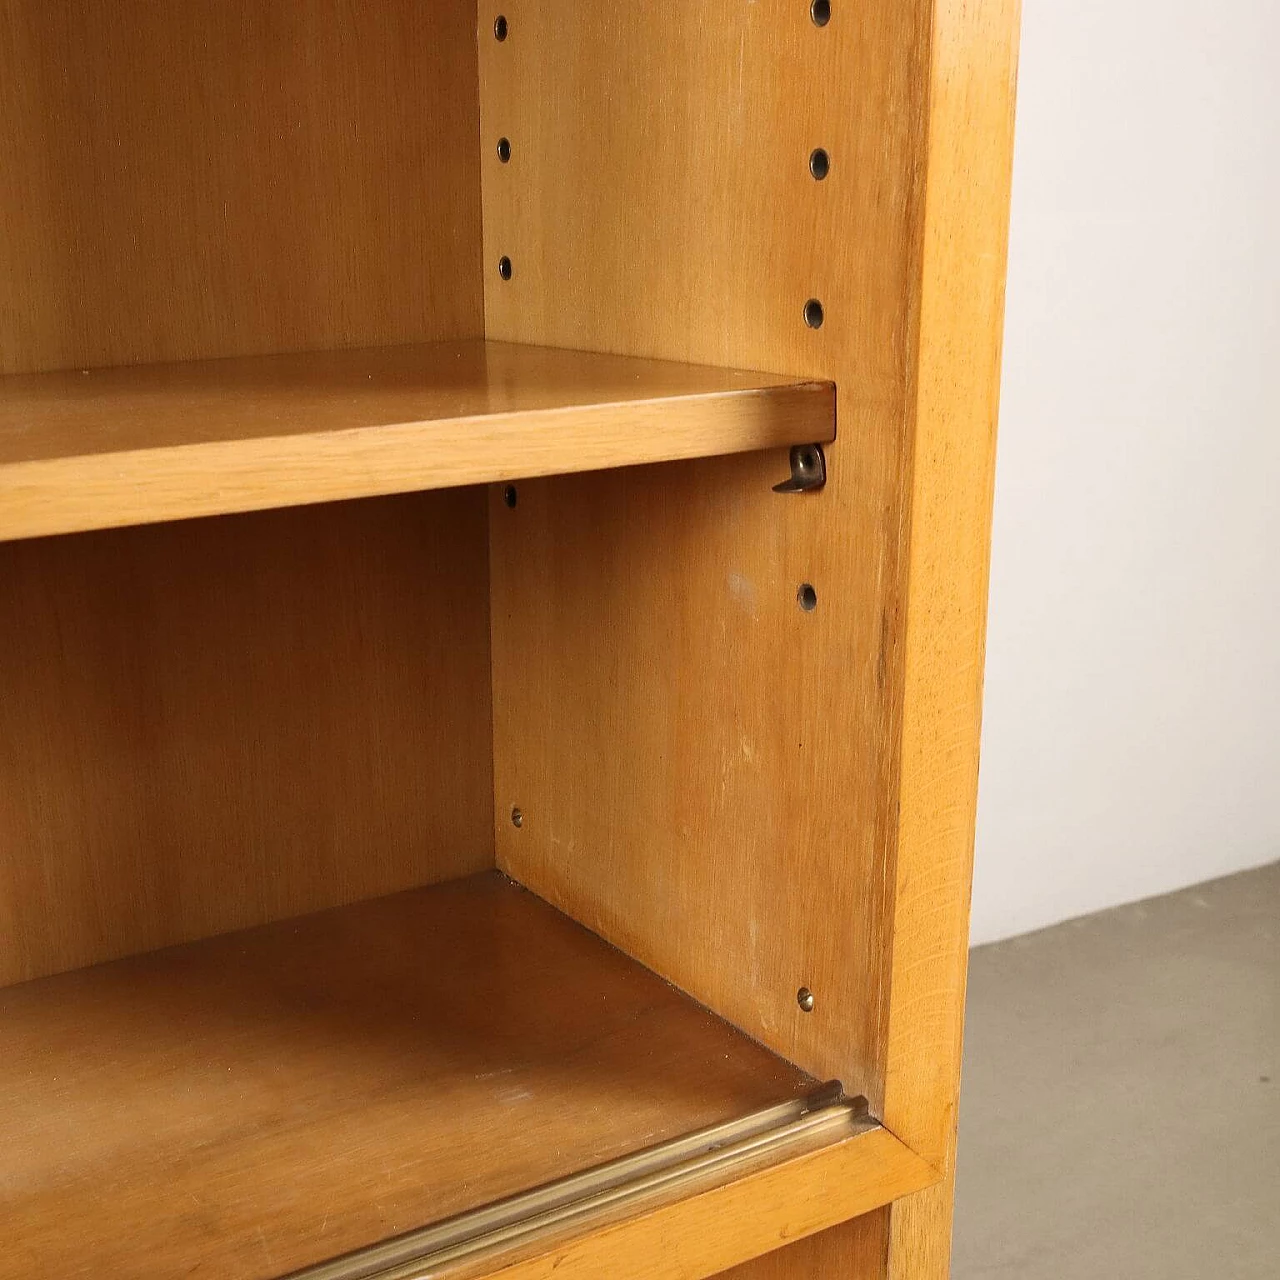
{"type": "Point", "coordinates": [1132, 727]}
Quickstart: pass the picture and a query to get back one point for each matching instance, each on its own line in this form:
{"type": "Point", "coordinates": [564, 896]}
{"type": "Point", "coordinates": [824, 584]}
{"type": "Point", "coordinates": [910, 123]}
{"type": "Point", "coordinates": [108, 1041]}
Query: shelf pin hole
{"type": "Point", "coordinates": [814, 314]}
{"type": "Point", "coordinates": [504, 267]}
{"type": "Point", "coordinates": [517, 818]}
{"type": "Point", "coordinates": [500, 26]}
{"type": "Point", "coordinates": [807, 597]}
{"type": "Point", "coordinates": [504, 149]}
{"type": "Point", "coordinates": [510, 497]}
{"type": "Point", "coordinates": [804, 998]}
{"type": "Point", "coordinates": [819, 11]}
{"type": "Point", "coordinates": [819, 164]}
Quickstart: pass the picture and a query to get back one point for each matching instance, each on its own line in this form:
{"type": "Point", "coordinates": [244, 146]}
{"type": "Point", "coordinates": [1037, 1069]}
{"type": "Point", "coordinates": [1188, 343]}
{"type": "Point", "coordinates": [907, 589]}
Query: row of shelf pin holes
{"type": "Point", "coordinates": [819, 168]}
{"type": "Point", "coordinates": [819, 158]}
{"type": "Point", "coordinates": [500, 31]}
{"type": "Point", "coordinates": [807, 595]}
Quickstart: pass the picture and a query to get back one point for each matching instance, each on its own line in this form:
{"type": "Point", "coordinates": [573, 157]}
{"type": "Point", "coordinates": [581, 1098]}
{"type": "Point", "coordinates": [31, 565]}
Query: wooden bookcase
{"type": "Point", "coordinates": [457, 818]}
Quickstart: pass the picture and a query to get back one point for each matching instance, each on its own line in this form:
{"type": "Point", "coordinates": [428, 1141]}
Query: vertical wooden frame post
{"type": "Point", "coordinates": [956, 391]}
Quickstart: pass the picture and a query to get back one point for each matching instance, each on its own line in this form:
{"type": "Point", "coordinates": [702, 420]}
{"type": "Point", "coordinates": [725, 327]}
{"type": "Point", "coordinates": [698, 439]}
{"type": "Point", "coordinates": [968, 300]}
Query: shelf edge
{"type": "Point", "coordinates": [787, 1160]}
{"type": "Point", "coordinates": [45, 497]}
{"type": "Point", "coordinates": [701, 1235]}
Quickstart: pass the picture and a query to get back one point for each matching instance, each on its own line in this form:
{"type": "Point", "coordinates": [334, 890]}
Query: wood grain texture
{"type": "Point", "coordinates": [135, 445]}
{"type": "Point", "coordinates": [701, 1235]}
{"type": "Point", "coordinates": [956, 389]}
{"type": "Point", "coordinates": [228, 177]}
{"type": "Point", "coordinates": [715, 786]}
{"type": "Point", "coordinates": [212, 724]}
{"type": "Point", "coordinates": [708, 775]}
{"type": "Point", "coordinates": [669, 722]}
{"type": "Point", "coordinates": [920, 1229]}
{"type": "Point", "coordinates": [854, 1250]}
{"type": "Point", "coordinates": [242, 1106]}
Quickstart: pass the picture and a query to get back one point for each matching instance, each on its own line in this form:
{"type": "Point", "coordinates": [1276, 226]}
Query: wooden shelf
{"type": "Point", "coordinates": [266, 1100]}
{"type": "Point", "coordinates": [108, 447]}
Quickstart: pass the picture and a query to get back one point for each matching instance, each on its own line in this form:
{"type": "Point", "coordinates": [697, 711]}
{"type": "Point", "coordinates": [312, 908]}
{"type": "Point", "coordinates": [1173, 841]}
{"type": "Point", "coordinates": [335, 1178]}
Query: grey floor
{"type": "Point", "coordinates": [1120, 1114]}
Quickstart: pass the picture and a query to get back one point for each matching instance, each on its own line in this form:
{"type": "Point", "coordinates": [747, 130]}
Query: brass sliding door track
{"type": "Point", "coordinates": [707, 1156]}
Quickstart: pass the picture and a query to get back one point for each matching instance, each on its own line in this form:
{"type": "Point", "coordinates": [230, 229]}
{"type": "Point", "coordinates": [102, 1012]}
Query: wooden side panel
{"type": "Point", "coordinates": [711, 778]}
{"type": "Point", "coordinates": [956, 392]}
{"type": "Point", "coordinates": [217, 723]}
{"type": "Point", "coordinates": [683, 742]}
{"type": "Point", "coordinates": [955, 395]}
{"type": "Point", "coordinates": [853, 1251]}
{"type": "Point", "coordinates": [708, 773]}
{"type": "Point", "coordinates": [222, 177]}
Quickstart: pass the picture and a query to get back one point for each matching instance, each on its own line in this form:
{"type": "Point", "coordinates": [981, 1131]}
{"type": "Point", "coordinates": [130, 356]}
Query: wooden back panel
{"type": "Point", "coordinates": [218, 723]}
{"type": "Point", "coordinates": [708, 774]}
{"type": "Point", "coordinates": [224, 177]}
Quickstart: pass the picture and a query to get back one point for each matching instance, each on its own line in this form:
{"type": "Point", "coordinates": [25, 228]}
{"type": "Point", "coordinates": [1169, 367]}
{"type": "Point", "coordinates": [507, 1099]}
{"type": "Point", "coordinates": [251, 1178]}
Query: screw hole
{"type": "Point", "coordinates": [504, 267]}
{"type": "Point", "coordinates": [804, 998]}
{"type": "Point", "coordinates": [807, 597]}
{"type": "Point", "coordinates": [819, 164]}
{"type": "Point", "coordinates": [504, 149]}
{"type": "Point", "coordinates": [814, 314]}
{"type": "Point", "coordinates": [517, 818]}
{"type": "Point", "coordinates": [509, 495]}
{"type": "Point", "coordinates": [819, 11]}
{"type": "Point", "coordinates": [500, 25]}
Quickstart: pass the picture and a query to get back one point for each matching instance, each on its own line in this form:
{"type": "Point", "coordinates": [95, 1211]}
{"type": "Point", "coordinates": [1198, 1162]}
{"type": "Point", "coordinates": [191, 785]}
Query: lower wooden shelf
{"type": "Point", "coordinates": [265, 1101]}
